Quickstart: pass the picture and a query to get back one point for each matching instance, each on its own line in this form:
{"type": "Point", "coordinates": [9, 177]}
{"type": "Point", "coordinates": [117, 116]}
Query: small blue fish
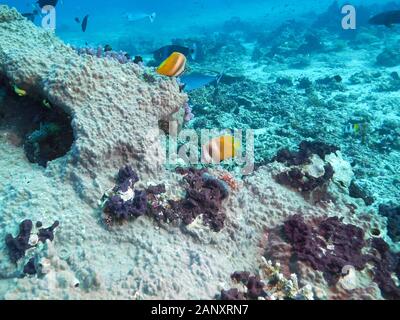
{"type": "Point", "coordinates": [197, 80]}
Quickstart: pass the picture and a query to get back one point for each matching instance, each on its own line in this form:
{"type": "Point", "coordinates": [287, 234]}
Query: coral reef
{"type": "Point", "coordinates": [18, 245]}
{"type": "Point", "coordinates": [114, 113]}
{"type": "Point", "coordinates": [304, 182]}
{"type": "Point", "coordinates": [289, 84]}
{"type": "Point", "coordinates": [355, 191]}
{"type": "Point", "coordinates": [386, 264]}
{"type": "Point", "coordinates": [123, 201]}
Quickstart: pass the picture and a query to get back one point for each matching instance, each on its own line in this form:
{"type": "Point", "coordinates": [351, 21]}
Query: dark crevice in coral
{"type": "Point", "coordinates": [393, 215]}
{"type": "Point", "coordinates": [355, 191]}
{"type": "Point", "coordinates": [43, 130]}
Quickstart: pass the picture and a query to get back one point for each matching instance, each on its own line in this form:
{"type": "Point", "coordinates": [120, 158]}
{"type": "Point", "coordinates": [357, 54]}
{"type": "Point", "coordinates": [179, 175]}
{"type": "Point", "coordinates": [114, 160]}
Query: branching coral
{"type": "Point", "coordinates": [271, 285]}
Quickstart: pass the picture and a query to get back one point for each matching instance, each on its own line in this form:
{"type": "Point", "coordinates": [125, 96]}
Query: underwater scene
{"type": "Point", "coordinates": [199, 150]}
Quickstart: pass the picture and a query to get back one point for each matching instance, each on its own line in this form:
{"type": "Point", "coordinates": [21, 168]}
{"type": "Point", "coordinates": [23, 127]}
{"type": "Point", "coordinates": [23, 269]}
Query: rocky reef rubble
{"type": "Point", "coordinates": [318, 170]}
{"type": "Point", "coordinates": [305, 174]}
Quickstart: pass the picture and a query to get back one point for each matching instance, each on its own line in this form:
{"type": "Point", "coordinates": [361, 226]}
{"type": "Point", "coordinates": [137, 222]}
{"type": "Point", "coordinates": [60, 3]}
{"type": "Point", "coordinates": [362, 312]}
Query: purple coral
{"type": "Point", "coordinates": [127, 174]}
{"type": "Point", "coordinates": [18, 245]}
{"type": "Point", "coordinates": [232, 295]}
{"type": "Point", "coordinates": [386, 263]}
{"type": "Point", "coordinates": [116, 207]}
{"type": "Point", "coordinates": [48, 233]}
{"type": "Point", "coordinates": [119, 209]}
{"type": "Point", "coordinates": [138, 205]}
{"type": "Point", "coordinates": [298, 180]}
{"type": "Point", "coordinates": [329, 247]}
{"type": "Point", "coordinates": [204, 196]}
{"type": "Point", "coordinates": [106, 52]}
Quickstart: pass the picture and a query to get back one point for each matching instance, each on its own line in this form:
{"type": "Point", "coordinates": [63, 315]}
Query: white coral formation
{"type": "Point", "coordinates": [279, 287]}
{"type": "Point", "coordinates": [115, 112]}
{"type": "Point", "coordinates": [343, 172]}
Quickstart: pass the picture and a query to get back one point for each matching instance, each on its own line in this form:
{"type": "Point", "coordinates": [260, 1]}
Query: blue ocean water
{"type": "Point", "coordinates": [174, 19]}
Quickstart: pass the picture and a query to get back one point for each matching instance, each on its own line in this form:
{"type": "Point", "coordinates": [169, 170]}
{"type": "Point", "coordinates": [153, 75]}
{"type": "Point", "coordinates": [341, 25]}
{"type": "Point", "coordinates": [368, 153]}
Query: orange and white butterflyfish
{"type": "Point", "coordinates": [220, 148]}
{"type": "Point", "coordinates": [173, 66]}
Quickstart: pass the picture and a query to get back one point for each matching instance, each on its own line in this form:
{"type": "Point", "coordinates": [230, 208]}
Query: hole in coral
{"type": "Point", "coordinates": [43, 130]}
{"type": "Point", "coordinates": [375, 232]}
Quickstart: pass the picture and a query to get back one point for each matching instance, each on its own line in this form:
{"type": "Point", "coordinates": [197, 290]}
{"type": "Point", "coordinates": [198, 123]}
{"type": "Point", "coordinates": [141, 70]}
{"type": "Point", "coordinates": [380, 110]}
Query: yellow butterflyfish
{"type": "Point", "coordinates": [19, 91]}
{"type": "Point", "coordinates": [173, 66]}
{"type": "Point", "coordinates": [220, 148]}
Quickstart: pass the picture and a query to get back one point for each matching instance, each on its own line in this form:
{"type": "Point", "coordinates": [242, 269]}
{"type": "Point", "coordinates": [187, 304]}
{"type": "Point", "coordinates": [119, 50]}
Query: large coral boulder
{"type": "Point", "coordinates": [115, 112]}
